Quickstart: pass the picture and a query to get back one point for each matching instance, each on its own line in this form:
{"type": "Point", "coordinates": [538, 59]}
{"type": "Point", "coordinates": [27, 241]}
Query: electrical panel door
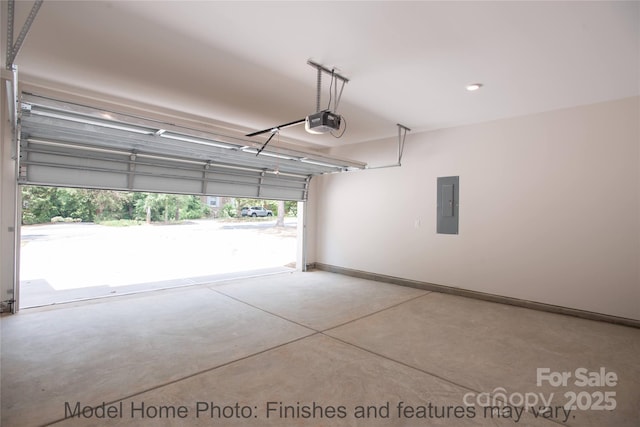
{"type": "Point", "coordinates": [448, 204]}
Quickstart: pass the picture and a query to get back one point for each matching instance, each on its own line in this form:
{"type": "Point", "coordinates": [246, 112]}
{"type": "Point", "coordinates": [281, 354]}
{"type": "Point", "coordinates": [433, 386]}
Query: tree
{"type": "Point", "coordinates": [39, 204]}
{"type": "Point", "coordinates": [162, 206]}
{"type": "Point", "coordinates": [112, 204]}
{"type": "Point", "coordinates": [291, 208]}
{"type": "Point", "coordinates": [281, 212]}
{"type": "Point", "coordinates": [195, 208]}
{"type": "Point", "coordinates": [169, 207]}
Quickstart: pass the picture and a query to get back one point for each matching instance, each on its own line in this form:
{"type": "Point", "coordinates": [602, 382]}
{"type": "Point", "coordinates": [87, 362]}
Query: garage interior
{"type": "Point", "coordinates": [472, 223]}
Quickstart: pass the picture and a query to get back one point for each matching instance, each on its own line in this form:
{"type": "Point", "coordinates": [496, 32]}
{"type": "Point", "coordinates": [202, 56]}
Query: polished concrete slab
{"type": "Point", "coordinates": [105, 350]}
{"type": "Point", "coordinates": [491, 347]}
{"type": "Point", "coordinates": [39, 292]}
{"type": "Point", "coordinates": [320, 301]}
{"type": "Point", "coordinates": [317, 381]}
{"type": "Point", "coordinates": [306, 349]}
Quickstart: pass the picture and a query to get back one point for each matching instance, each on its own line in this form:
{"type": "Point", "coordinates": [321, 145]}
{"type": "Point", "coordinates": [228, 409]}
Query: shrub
{"type": "Point", "coordinates": [227, 211]}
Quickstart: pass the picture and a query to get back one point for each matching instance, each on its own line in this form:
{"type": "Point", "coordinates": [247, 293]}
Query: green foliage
{"type": "Point", "coordinates": [74, 203]}
{"type": "Point", "coordinates": [195, 209]}
{"type": "Point", "coordinates": [39, 204]}
{"type": "Point", "coordinates": [67, 219]}
{"type": "Point", "coordinates": [227, 211]}
{"type": "Point", "coordinates": [290, 208]}
{"type": "Point", "coordinates": [169, 207]}
{"type": "Point", "coordinates": [109, 205]}
{"type": "Point", "coordinates": [120, 222]}
{"type": "Point", "coordinates": [48, 204]}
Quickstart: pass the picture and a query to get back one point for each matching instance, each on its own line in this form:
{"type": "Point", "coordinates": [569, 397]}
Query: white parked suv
{"type": "Point", "coordinates": [255, 211]}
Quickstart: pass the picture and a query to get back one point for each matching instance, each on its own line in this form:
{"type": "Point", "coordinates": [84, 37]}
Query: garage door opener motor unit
{"type": "Point", "coordinates": [322, 121]}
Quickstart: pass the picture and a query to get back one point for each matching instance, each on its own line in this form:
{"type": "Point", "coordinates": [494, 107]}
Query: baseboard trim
{"type": "Point", "coordinates": [583, 314]}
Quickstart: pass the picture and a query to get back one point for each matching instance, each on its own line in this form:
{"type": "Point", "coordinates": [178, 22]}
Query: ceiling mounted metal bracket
{"type": "Point", "coordinates": [334, 76]}
{"type": "Point", "coordinates": [327, 70]}
{"type": "Point", "coordinates": [402, 134]}
{"type": "Point", "coordinates": [14, 48]}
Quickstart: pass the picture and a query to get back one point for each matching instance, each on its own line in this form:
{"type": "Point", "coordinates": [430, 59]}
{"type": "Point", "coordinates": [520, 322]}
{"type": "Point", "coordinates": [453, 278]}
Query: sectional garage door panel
{"type": "Point", "coordinates": [71, 145]}
{"type": "Point", "coordinates": [64, 165]}
{"type": "Point", "coordinates": [70, 178]}
{"type": "Point", "coordinates": [63, 168]}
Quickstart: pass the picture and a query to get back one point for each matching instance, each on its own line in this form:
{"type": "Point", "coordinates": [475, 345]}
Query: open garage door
{"type": "Point", "coordinates": [72, 145]}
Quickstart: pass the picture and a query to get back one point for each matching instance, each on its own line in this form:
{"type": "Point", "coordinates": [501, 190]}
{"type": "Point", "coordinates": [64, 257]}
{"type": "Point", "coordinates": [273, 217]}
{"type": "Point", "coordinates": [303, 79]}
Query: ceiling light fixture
{"type": "Point", "coordinates": [473, 87]}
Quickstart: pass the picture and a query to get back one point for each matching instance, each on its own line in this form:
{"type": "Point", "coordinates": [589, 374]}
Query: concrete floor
{"type": "Point", "coordinates": [309, 349]}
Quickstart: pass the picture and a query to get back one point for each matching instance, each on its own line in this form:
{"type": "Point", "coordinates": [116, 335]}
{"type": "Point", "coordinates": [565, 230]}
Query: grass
{"type": "Point", "coordinates": [250, 219]}
{"type": "Point", "coordinates": [133, 222]}
{"type": "Point", "coordinates": [120, 222]}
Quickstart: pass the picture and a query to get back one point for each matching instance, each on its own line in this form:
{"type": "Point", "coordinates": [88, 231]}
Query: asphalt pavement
{"type": "Point", "coordinates": [72, 261]}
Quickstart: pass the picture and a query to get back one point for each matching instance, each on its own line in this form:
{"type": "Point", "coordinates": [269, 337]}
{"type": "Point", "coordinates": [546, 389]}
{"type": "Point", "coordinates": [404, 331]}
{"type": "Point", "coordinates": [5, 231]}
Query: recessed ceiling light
{"type": "Point", "coordinates": [473, 86]}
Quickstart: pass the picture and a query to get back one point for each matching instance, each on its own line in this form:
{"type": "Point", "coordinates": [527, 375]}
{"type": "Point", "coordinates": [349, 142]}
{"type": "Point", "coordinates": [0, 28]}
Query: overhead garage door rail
{"type": "Point", "coordinates": [67, 144]}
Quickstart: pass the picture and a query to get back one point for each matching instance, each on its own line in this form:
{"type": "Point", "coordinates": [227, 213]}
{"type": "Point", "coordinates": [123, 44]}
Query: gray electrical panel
{"type": "Point", "coordinates": [448, 204]}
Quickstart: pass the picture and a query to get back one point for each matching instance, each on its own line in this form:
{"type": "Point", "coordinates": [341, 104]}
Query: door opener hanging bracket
{"type": "Point", "coordinates": [334, 77]}
{"type": "Point", "coordinates": [14, 48]}
{"type": "Point", "coordinates": [402, 134]}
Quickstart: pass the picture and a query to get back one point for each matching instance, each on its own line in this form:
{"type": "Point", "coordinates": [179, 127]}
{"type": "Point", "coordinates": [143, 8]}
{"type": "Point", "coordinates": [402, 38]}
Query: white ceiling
{"type": "Point", "coordinates": [245, 63]}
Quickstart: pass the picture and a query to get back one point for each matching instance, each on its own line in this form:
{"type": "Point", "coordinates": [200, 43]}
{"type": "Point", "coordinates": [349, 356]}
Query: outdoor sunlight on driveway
{"type": "Point", "coordinates": [85, 260]}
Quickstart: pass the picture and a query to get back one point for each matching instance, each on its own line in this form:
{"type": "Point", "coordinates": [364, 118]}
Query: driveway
{"type": "Point", "coordinates": [62, 262]}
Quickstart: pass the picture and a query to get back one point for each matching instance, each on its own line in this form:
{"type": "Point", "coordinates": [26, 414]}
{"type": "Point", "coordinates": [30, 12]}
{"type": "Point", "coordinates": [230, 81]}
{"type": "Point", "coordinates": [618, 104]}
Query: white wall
{"type": "Point", "coordinates": [549, 209]}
